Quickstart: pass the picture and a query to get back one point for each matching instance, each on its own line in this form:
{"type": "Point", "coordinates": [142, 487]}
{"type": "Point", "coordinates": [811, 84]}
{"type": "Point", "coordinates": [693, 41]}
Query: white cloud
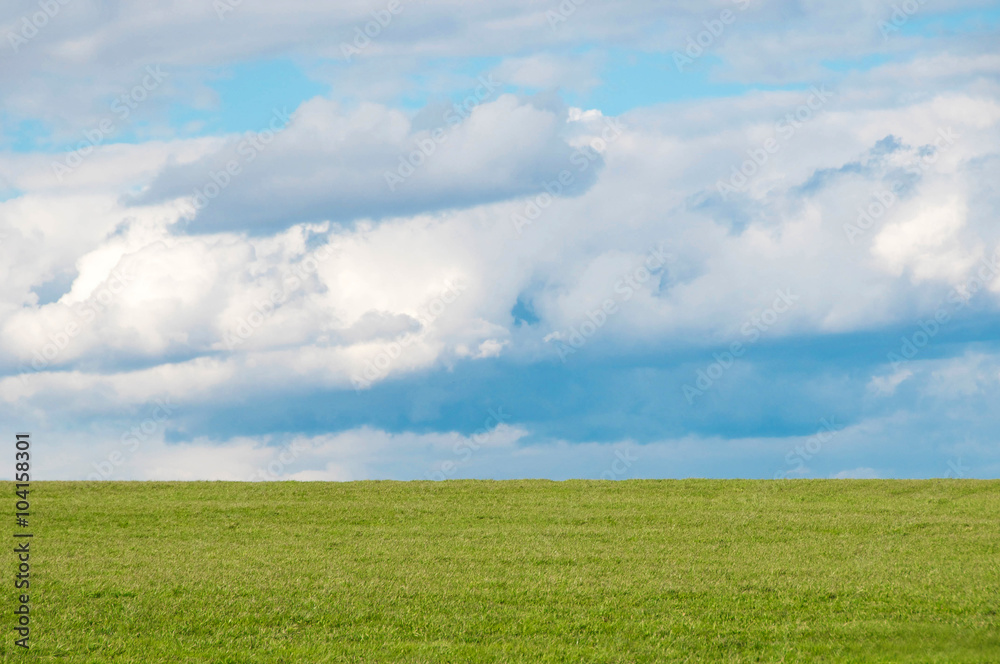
{"type": "Point", "coordinates": [657, 189]}
{"type": "Point", "coordinates": [545, 70]}
{"type": "Point", "coordinates": [888, 384]}
{"type": "Point", "coordinates": [857, 474]}
{"type": "Point", "coordinates": [339, 164]}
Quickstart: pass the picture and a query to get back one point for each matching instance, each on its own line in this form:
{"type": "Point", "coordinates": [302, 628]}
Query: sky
{"type": "Point", "coordinates": [405, 239]}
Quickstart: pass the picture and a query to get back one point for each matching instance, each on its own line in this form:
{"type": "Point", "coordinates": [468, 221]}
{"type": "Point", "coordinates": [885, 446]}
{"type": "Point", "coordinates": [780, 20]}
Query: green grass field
{"type": "Point", "coordinates": [526, 571]}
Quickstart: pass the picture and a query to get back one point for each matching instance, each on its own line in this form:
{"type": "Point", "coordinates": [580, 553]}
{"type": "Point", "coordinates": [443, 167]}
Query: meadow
{"type": "Point", "coordinates": [514, 571]}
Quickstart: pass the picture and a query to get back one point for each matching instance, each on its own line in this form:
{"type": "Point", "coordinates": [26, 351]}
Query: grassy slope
{"type": "Point", "coordinates": [638, 571]}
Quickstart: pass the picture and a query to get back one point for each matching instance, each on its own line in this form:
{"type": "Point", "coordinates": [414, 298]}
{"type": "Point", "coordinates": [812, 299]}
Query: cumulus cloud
{"type": "Point", "coordinates": [336, 164]}
{"type": "Point", "coordinates": [654, 192]}
{"type": "Point", "coordinates": [857, 474]}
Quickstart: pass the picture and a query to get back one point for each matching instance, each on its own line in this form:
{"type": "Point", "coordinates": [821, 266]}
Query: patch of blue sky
{"type": "Point", "coordinates": [25, 135]}
{"type": "Point", "coordinates": [35, 136]}
{"type": "Point", "coordinates": [248, 95]}
{"type": "Point", "coordinates": [923, 23]}
{"type": "Point", "coordinates": [632, 79]}
{"type": "Point", "coordinates": [9, 194]}
{"type": "Point", "coordinates": [523, 312]}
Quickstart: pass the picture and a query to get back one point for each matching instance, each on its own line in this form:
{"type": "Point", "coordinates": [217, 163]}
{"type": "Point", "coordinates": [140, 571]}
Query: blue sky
{"type": "Point", "coordinates": [502, 240]}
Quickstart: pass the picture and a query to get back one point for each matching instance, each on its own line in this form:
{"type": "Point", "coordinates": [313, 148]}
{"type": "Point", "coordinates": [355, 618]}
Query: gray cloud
{"type": "Point", "coordinates": [339, 164]}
